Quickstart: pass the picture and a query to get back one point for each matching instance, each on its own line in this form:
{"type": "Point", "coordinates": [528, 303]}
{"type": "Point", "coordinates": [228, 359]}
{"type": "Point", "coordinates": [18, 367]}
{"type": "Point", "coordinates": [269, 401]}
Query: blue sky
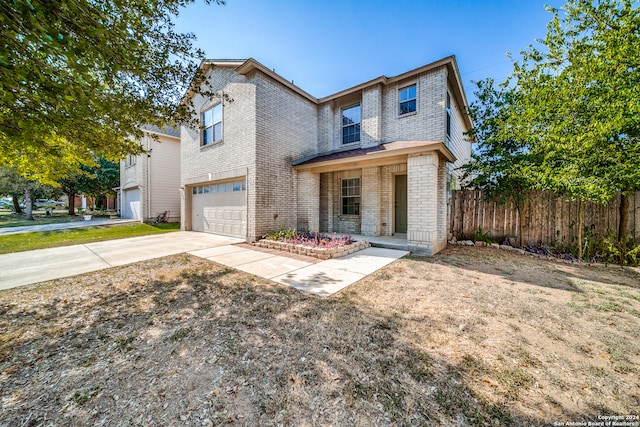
{"type": "Point", "coordinates": [325, 46]}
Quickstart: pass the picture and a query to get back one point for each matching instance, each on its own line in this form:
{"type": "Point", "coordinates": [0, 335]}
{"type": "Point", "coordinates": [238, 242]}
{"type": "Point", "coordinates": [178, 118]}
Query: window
{"type": "Point", "coordinates": [131, 160]}
{"type": "Point", "coordinates": [351, 124]}
{"type": "Point", "coordinates": [351, 196]}
{"type": "Point", "coordinates": [195, 190]}
{"type": "Point", "coordinates": [206, 189]}
{"type": "Point", "coordinates": [407, 100]}
{"type": "Point", "coordinates": [448, 114]}
{"type": "Point", "coordinates": [212, 125]}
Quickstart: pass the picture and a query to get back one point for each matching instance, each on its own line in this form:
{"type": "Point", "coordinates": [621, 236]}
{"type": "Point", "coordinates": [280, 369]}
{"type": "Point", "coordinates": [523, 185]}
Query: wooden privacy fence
{"type": "Point", "coordinates": [546, 218]}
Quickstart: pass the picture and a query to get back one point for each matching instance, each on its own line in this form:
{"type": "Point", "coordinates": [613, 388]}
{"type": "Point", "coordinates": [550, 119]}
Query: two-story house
{"type": "Point", "coordinates": [150, 182]}
{"type": "Point", "coordinates": [377, 159]}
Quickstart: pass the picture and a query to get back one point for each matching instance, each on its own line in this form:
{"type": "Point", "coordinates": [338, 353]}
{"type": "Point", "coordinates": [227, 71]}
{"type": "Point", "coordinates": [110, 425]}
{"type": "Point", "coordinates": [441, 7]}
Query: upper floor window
{"type": "Point", "coordinates": [408, 99]}
{"type": "Point", "coordinates": [448, 114]}
{"type": "Point", "coordinates": [351, 124]}
{"type": "Point", "coordinates": [212, 125]}
{"type": "Point", "coordinates": [351, 196]}
{"type": "Point", "coordinates": [131, 160]}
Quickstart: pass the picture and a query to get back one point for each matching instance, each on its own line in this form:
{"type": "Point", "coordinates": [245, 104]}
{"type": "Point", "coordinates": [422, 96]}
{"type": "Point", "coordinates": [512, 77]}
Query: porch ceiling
{"type": "Point", "coordinates": [379, 155]}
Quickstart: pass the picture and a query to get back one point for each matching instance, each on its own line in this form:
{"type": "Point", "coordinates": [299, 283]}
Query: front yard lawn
{"type": "Point", "coordinates": [472, 336]}
{"type": "Point", "coordinates": [73, 236]}
{"type": "Point", "coordinates": [11, 219]}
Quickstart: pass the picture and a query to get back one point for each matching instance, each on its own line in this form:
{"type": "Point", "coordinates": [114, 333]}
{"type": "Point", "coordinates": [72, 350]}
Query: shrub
{"type": "Point", "coordinates": [305, 238]}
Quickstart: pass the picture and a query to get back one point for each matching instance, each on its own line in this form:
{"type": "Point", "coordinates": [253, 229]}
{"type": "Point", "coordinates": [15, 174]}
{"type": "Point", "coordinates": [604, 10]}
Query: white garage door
{"type": "Point", "coordinates": [132, 204]}
{"type": "Point", "coordinates": [220, 208]}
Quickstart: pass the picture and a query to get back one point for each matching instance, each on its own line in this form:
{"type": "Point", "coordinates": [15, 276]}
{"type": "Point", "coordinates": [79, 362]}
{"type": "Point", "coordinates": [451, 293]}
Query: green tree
{"type": "Point", "coordinates": [97, 181]}
{"type": "Point", "coordinates": [498, 163]}
{"type": "Point", "coordinates": [578, 105]}
{"type": "Point", "coordinates": [78, 78]}
{"type": "Point", "coordinates": [13, 184]}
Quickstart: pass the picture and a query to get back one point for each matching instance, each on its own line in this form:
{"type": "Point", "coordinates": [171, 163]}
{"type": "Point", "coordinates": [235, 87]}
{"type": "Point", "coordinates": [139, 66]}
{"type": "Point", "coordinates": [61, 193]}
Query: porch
{"type": "Point", "coordinates": [392, 194]}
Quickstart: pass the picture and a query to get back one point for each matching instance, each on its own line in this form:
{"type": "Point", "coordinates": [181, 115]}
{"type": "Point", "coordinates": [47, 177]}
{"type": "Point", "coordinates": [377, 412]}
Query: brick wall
{"type": "Point", "coordinates": [422, 187]}
{"type": "Point", "coordinates": [371, 126]}
{"type": "Point", "coordinates": [429, 120]}
{"type": "Point", "coordinates": [326, 202]}
{"type": "Point", "coordinates": [308, 201]}
{"type": "Point", "coordinates": [235, 153]}
{"type": "Point", "coordinates": [370, 201]}
{"type": "Point", "coordinates": [286, 131]}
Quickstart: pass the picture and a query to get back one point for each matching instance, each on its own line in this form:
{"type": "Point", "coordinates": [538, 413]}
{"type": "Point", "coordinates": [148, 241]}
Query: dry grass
{"type": "Point", "coordinates": [471, 337]}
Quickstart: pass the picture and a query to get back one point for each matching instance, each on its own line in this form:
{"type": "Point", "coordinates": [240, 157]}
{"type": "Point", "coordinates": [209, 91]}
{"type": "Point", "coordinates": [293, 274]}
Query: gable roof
{"type": "Point", "coordinates": [243, 67]}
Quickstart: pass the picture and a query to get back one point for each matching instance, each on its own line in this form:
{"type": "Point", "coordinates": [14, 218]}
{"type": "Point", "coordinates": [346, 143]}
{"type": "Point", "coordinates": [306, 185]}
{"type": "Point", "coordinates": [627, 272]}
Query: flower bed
{"type": "Point", "coordinates": [320, 246]}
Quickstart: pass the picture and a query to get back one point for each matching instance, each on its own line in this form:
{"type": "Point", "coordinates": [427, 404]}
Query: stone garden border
{"type": "Point", "coordinates": [321, 253]}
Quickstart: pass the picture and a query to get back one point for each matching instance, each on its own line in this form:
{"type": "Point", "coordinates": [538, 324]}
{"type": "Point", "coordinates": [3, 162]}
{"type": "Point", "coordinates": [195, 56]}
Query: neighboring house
{"type": "Point", "coordinates": [150, 182]}
{"type": "Point", "coordinates": [377, 159]}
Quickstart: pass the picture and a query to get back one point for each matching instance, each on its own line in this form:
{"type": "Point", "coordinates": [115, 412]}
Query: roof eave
{"type": "Point", "coordinates": [376, 157]}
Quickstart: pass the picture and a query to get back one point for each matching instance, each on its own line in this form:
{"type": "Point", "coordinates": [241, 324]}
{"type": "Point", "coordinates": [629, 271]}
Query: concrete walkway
{"type": "Point", "coordinates": [62, 225]}
{"type": "Point", "coordinates": [321, 278]}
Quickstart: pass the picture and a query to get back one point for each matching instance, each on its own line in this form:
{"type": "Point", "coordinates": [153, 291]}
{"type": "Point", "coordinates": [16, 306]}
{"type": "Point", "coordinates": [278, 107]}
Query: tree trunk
{"type": "Point", "coordinates": [519, 208]}
{"type": "Point", "coordinates": [580, 226]}
{"type": "Point", "coordinates": [72, 203]}
{"type": "Point", "coordinates": [624, 218]}
{"type": "Point", "coordinates": [623, 225]}
{"type": "Point", "coordinates": [28, 207]}
{"type": "Point", "coordinates": [16, 204]}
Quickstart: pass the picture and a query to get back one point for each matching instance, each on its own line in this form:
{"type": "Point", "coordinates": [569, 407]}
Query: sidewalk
{"type": "Point", "coordinates": [62, 225]}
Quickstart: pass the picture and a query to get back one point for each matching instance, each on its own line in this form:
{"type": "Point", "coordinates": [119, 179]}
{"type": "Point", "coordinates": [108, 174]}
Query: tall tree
{"type": "Point", "coordinates": [579, 103]}
{"type": "Point", "coordinates": [499, 162]}
{"type": "Point", "coordinates": [13, 184]}
{"type": "Point", "coordinates": [78, 78]}
{"type": "Point", "coordinates": [96, 180]}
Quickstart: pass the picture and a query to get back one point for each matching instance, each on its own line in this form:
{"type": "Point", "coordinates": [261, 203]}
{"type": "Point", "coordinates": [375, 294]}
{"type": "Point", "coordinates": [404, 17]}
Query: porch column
{"type": "Point", "coordinates": [441, 241]}
{"type": "Point", "coordinates": [308, 201]}
{"type": "Point", "coordinates": [370, 202]}
{"type": "Point", "coordinates": [422, 192]}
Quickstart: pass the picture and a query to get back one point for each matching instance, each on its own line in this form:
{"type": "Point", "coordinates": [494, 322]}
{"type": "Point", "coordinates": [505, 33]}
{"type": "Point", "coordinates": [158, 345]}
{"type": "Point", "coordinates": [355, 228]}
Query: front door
{"type": "Point", "coordinates": [400, 204]}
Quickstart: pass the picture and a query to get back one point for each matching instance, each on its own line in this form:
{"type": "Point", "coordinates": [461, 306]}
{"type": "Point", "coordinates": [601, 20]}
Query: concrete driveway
{"type": "Point", "coordinates": [321, 278]}
{"type": "Point", "coordinates": [23, 268]}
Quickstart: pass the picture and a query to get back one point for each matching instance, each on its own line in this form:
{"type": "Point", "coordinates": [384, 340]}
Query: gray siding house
{"type": "Point", "coordinates": [377, 159]}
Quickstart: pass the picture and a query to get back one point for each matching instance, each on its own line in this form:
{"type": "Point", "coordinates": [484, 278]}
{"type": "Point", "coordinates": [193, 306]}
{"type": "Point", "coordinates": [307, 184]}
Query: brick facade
{"type": "Point", "coordinates": [271, 129]}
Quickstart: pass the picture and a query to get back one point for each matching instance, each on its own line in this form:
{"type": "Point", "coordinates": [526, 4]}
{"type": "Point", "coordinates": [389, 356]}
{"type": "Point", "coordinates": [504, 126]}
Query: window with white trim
{"type": "Point", "coordinates": [350, 196]}
{"type": "Point", "coordinates": [351, 124]}
{"type": "Point", "coordinates": [407, 98]}
{"type": "Point", "coordinates": [212, 125]}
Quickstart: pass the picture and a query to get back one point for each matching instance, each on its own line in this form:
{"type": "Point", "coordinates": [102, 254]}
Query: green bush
{"type": "Point", "coordinates": [611, 251]}
{"type": "Point", "coordinates": [481, 236]}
